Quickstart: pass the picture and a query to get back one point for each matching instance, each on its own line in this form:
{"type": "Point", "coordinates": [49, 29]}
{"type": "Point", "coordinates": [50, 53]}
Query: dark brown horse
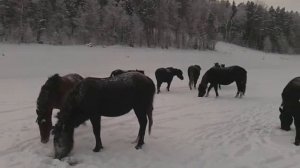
{"type": "Point", "coordinates": [111, 97]}
{"type": "Point", "coordinates": [120, 71]}
{"type": "Point", "coordinates": [290, 107]}
{"type": "Point", "coordinates": [166, 75]}
{"type": "Point", "coordinates": [193, 73]}
{"type": "Point", "coordinates": [52, 96]}
{"type": "Point", "coordinates": [223, 76]}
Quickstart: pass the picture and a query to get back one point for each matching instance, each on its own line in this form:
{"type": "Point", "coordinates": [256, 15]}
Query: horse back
{"type": "Point", "coordinates": [66, 84]}
{"type": "Point", "coordinates": [291, 92]}
{"type": "Point", "coordinates": [194, 70]}
{"type": "Point", "coordinates": [163, 74]}
{"type": "Point", "coordinates": [116, 96]}
{"type": "Point", "coordinates": [226, 75]}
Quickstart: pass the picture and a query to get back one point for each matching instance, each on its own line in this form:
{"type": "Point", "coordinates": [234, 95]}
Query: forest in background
{"type": "Point", "coordinates": [196, 24]}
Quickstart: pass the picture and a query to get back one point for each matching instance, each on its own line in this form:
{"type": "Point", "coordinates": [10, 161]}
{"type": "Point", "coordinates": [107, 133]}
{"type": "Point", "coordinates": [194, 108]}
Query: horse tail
{"type": "Point", "coordinates": [191, 77]}
{"type": "Point", "coordinates": [149, 115]}
{"type": "Point", "coordinates": [244, 82]}
{"type": "Point", "coordinates": [149, 112]}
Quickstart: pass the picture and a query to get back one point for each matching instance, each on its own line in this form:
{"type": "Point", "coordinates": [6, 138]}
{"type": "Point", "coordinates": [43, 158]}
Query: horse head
{"type": "Point", "coordinates": [45, 104]}
{"type": "Point", "coordinates": [63, 139]}
{"type": "Point", "coordinates": [201, 90]}
{"type": "Point", "coordinates": [176, 72]}
{"type": "Point", "coordinates": [285, 118]}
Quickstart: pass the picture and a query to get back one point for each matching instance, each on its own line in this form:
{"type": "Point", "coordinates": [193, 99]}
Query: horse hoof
{"type": "Point", "coordinates": [286, 129]}
{"type": "Point", "coordinates": [98, 149]}
{"type": "Point", "coordinates": [44, 141]}
{"type": "Point", "coordinates": [297, 143]}
{"type": "Point", "coordinates": [137, 147]}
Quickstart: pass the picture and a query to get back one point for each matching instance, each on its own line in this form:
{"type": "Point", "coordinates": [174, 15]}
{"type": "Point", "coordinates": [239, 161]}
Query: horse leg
{"type": "Point", "coordinates": [158, 86]}
{"type": "Point", "coordinates": [96, 121]}
{"type": "Point", "coordinates": [210, 86]}
{"type": "Point", "coordinates": [238, 85]}
{"type": "Point", "coordinates": [168, 87]}
{"type": "Point", "coordinates": [190, 84]}
{"type": "Point", "coordinates": [216, 89]}
{"type": "Point", "coordinates": [195, 83]}
{"type": "Point", "coordinates": [142, 118]}
{"type": "Point", "coordinates": [297, 125]}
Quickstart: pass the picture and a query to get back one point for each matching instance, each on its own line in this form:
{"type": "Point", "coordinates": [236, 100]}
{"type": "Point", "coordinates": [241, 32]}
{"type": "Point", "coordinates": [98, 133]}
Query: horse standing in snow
{"type": "Point", "coordinates": [223, 76]}
{"type": "Point", "coordinates": [290, 107]}
{"type": "Point", "coordinates": [110, 97]}
{"type": "Point", "coordinates": [193, 73]}
{"type": "Point", "coordinates": [52, 95]}
{"type": "Point", "coordinates": [120, 71]}
{"type": "Point", "coordinates": [166, 75]}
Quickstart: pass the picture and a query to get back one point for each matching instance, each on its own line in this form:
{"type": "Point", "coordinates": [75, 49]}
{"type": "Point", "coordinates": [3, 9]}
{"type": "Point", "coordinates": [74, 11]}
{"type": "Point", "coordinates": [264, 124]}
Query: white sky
{"type": "Point", "coordinates": [288, 4]}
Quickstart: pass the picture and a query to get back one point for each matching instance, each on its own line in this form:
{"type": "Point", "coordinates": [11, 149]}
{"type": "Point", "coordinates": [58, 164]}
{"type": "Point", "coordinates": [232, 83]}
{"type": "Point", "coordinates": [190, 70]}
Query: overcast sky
{"type": "Point", "coordinates": [288, 4]}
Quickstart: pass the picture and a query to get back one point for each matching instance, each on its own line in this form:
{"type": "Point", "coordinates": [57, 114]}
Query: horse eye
{"type": "Point", "coordinates": [43, 121]}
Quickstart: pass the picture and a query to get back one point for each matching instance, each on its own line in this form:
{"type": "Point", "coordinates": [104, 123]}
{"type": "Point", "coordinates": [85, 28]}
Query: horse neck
{"type": "Point", "coordinates": [174, 72]}
{"type": "Point", "coordinates": [71, 113]}
{"type": "Point", "coordinates": [204, 81]}
{"type": "Point", "coordinates": [44, 106]}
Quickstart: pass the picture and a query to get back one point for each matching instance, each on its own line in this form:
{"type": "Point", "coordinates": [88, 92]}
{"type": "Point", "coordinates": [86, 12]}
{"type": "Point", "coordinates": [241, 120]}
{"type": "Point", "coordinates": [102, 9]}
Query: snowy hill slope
{"type": "Point", "coordinates": [188, 131]}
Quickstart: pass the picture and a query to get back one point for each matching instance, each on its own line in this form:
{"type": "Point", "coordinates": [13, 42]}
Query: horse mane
{"type": "Point", "coordinates": [53, 82]}
{"type": "Point", "coordinates": [204, 80]}
{"type": "Point", "coordinates": [50, 86]}
{"type": "Point", "coordinates": [174, 71]}
{"type": "Point", "coordinates": [177, 71]}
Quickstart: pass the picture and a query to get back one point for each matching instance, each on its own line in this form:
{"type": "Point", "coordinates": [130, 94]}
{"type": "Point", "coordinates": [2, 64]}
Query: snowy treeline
{"type": "Point", "coordinates": [154, 23]}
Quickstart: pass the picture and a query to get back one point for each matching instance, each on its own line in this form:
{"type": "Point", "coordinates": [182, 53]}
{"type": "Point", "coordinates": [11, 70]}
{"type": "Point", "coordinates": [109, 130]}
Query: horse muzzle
{"type": "Point", "coordinates": [60, 151]}
{"type": "Point", "coordinates": [44, 141]}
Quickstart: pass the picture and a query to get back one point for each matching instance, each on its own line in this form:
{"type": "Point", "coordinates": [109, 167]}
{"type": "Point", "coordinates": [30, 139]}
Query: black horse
{"type": "Point", "coordinates": [193, 73]}
{"type": "Point", "coordinates": [52, 95]}
{"type": "Point", "coordinates": [166, 75]}
{"type": "Point", "coordinates": [120, 71]}
{"type": "Point", "coordinates": [223, 76]}
{"type": "Point", "coordinates": [290, 107]}
{"type": "Point", "coordinates": [111, 97]}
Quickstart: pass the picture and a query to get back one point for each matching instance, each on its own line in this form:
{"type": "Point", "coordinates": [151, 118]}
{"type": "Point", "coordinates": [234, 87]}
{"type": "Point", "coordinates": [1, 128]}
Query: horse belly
{"type": "Point", "coordinates": [225, 82]}
{"type": "Point", "coordinates": [114, 108]}
{"type": "Point", "coordinates": [115, 111]}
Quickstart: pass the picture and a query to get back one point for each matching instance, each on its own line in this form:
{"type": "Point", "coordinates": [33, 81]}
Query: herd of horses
{"type": "Point", "coordinates": [80, 99]}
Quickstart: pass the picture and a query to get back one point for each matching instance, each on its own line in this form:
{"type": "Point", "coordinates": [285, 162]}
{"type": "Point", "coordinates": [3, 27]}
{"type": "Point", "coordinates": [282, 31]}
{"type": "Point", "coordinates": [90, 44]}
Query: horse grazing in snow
{"type": "Point", "coordinates": [290, 107]}
{"type": "Point", "coordinates": [223, 76]}
{"type": "Point", "coordinates": [52, 95]}
{"type": "Point", "coordinates": [193, 73]}
{"type": "Point", "coordinates": [110, 97]}
{"type": "Point", "coordinates": [166, 75]}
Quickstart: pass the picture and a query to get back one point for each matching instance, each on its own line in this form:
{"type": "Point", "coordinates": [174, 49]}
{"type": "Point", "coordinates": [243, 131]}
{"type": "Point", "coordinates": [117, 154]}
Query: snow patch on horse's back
{"type": "Point", "coordinates": [128, 77]}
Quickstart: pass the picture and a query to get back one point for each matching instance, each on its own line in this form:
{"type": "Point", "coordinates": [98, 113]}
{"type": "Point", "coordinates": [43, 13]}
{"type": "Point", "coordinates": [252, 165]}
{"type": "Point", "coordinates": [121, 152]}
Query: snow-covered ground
{"type": "Point", "coordinates": [188, 131]}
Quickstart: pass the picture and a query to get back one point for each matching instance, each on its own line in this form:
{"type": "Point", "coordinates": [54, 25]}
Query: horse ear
{"type": "Point", "coordinates": [281, 109]}
{"type": "Point", "coordinates": [54, 76]}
